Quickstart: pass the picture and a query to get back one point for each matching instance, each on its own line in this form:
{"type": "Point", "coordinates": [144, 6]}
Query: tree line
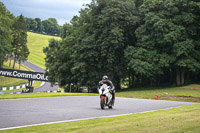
{"type": "Point", "coordinates": [49, 26]}
{"type": "Point", "coordinates": [13, 37]}
{"type": "Point", "coordinates": [134, 42]}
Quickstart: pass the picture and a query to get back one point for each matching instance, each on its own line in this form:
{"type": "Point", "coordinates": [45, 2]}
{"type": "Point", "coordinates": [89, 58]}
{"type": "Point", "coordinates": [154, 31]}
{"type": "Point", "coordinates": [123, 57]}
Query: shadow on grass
{"type": "Point", "coordinates": [181, 98]}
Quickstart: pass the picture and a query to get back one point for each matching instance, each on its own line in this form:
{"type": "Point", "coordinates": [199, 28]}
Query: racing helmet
{"type": "Point", "coordinates": [105, 78]}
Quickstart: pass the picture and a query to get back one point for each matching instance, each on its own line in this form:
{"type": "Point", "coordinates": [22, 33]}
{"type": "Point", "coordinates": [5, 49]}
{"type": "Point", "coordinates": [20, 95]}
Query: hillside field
{"type": "Point", "coordinates": [36, 43]}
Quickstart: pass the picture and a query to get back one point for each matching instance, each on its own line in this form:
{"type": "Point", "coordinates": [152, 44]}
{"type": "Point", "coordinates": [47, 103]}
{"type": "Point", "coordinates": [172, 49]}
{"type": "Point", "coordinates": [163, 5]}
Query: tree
{"type": "Point", "coordinates": [20, 49]}
{"type": "Point", "coordinates": [39, 28]}
{"type": "Point", "coordinates": [64, 31]}
{"type": "Point", "coordinates": [167, 39]}
{"type": "Point", "coordinates": [113, 25]}
{"type": "Point", "coordinates": [32, 24]}
{"type": "Point", "coordinates": [147, 42]}
{"type": "Point", "coordinates": [5, 32]}
{"type": "Point", "coordinates": [63, 69]}
{"type": "Point", "coordinates": [60, 63]}
{"type": "Point", "coordinates": [94, 43]}
{"type": "Point", "coordinates": [51, 57]}
{"type": "Point", "coordinates": [51, 26]}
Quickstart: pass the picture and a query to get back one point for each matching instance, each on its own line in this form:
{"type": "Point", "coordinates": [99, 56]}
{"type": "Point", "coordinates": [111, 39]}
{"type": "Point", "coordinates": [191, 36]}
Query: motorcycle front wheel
{"type": "Point", "coordinates": [102, 103]}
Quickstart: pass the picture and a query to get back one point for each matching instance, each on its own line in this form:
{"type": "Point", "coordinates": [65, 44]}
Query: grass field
{"type": "Point", "coordinates": [36, 95]}
{"type": "Point", "coordinates": [177, 120]}
{"type": "Point", "coordinates": [36, 43]}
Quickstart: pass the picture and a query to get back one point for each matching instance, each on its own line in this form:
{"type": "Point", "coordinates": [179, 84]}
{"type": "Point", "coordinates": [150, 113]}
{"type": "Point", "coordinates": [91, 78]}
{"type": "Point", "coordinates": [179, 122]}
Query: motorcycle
{"type": "Point", "coordinates": [105, 97]}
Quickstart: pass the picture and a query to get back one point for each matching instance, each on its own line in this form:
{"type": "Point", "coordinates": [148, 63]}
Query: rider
{"type": "Point", "coordinates": [108, 83]}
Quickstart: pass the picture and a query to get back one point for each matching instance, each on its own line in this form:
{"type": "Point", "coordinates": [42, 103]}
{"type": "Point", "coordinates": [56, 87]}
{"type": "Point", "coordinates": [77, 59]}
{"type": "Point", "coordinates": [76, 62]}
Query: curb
{"type": "Point", "coordinates": [14, 87]}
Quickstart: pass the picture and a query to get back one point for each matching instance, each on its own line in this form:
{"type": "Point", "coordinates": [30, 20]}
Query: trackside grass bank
{"type": "Point", "coordinates": [189, 93]}
{"type": "Point", "coordinates": [36, 43]}
{"type": "Point", "coordinates": [36, 84]}
{"type": "Point", "coordinates": [37, 95]}
{"type": "Point", "coordinates": [176, 120]}
{"type": "Point", "coordinates": [7, 81]}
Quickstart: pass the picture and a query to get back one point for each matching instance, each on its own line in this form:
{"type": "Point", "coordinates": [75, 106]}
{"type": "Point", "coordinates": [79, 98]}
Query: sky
{"type": "Point", "coordinates": [62, 10]}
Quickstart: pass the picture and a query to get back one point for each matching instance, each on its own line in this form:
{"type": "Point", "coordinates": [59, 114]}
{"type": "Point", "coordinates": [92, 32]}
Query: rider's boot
{"type": "Point", "coordinates": [113, 98]}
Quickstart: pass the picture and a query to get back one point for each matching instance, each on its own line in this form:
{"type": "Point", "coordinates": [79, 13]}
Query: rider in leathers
{"type": "Point", "coordinates": [108, 83]}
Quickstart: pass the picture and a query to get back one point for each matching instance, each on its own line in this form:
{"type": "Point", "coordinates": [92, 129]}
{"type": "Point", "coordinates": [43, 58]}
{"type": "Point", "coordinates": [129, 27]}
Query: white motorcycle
{"type": "Point", "coordinates": [105, 97]}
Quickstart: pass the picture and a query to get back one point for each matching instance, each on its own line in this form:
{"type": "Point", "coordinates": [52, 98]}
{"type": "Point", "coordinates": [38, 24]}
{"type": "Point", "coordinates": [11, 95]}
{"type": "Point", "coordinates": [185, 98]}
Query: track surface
{"type": "Point", "coordinates": [22, 112]}
{"type": "Point", "coordinates": [46, 86]}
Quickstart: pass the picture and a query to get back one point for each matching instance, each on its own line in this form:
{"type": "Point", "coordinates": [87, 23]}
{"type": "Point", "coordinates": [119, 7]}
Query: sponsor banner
{"type": "Point", "coordinates": [23, 74]}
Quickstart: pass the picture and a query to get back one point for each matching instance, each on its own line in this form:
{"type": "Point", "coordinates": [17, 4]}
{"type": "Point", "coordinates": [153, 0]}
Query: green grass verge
{"type": "Point", "coordinates": [190, 93]}
{"type": "Point", "coordinates": [7, 81]}
{"type": "Point", "coordinates": [37, 95]}
{"type": "Point", "coordinates": [36, 84]}
{"type": "Point", "coordinates": [36, 43]}
{"type": "Point", "coordinates": [177, 120]}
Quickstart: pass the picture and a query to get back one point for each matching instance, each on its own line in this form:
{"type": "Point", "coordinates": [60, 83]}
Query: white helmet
{"type": "Point", "coordinates": [105, 78]}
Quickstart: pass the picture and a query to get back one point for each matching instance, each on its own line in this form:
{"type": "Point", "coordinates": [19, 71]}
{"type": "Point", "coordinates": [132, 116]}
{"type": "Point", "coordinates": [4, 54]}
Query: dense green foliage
{"type": "Point", "coordinates": [5, 32]}
{"type": "Point", "coordinates": [94, 45]}
{"type": "Point", "coordinates": [144, 42]}
{"type": "Point", "coordinates": [19, 43]}
{"type": "Point", "coordinates": [13, 37]}
{"type": "Point", "coordinates": [50, 51]}
{"type": "Point", "coordinates": [49, 26]}
{"type": "Point", "coordinates": [167, 40]}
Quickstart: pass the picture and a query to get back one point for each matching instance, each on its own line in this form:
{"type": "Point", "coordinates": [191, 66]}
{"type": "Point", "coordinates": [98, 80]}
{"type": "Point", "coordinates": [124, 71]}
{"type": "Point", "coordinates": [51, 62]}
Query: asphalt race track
{"type": "Point", "coordinates": [33, 66]}
{"type": "Point", "coordinates": [34, 111]}
{"type": "Point", "coordinates": [46, 86]}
